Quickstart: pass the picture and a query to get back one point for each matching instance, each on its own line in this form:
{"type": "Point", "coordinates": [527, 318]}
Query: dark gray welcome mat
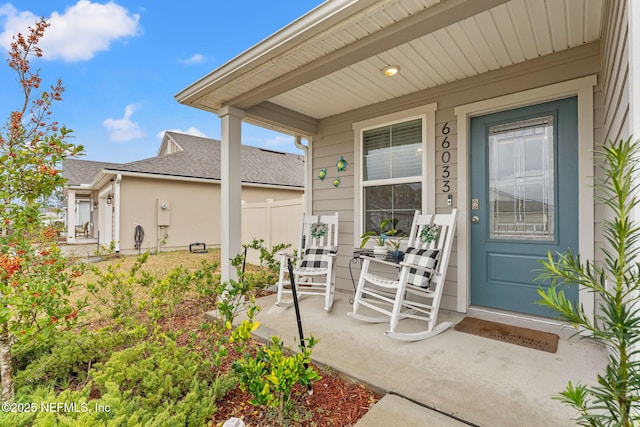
{"type": "Point", "coordinates": [538, 340]}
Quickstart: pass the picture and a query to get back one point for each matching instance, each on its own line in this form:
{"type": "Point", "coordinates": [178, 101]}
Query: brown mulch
{"type": "Point", "coordinates": [335, 400]}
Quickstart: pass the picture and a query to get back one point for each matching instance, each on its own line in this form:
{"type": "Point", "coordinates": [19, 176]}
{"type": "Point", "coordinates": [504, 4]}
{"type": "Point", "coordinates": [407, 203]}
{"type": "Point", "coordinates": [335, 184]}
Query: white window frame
{"type": "Point", "coordinates": [428, 115]}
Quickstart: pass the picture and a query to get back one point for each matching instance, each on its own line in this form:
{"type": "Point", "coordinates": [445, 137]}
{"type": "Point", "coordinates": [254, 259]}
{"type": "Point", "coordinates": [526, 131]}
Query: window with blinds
{"type": "Point", "coordinates": [392, 174]}
{"type": "Point", "coordinates": [393, 151]}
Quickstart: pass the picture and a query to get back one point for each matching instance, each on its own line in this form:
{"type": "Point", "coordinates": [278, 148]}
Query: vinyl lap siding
{"type": "Point", "coordinates": [336, 138]}
{"type": "Point", "coordinates": [613, 115]}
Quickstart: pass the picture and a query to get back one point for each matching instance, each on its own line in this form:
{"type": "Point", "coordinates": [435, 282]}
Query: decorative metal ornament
{"type": "Point", "coordinates": [341, 164]}
{"type": "Point", "coordinates": [336, 182]}
{"type": "Point", "coordinates": [322, 174]}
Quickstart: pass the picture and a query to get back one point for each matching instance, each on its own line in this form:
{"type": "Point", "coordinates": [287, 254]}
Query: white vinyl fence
{"type": "Point", "coordinates": [274, 221]}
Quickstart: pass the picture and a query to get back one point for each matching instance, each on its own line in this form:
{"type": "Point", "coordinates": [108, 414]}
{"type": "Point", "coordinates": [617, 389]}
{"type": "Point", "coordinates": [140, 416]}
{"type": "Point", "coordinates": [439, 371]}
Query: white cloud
{"type": "Point", "coordinates": [196, 58]}
{"type": "Point", "coordinates": [124, 129]}
{"type": "Point", "coordinates": [76, 35]}
{"type": "Point", "coordinates": [194, 131]}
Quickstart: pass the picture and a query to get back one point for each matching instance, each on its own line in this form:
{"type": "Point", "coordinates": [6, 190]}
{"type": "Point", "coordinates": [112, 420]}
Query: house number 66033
{"type": "Point", "coordinates": [446, 158]}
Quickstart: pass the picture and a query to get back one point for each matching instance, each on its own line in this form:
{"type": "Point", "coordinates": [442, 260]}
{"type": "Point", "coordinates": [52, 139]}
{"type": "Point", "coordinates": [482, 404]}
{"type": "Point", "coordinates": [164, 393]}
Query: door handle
{"type": "Point", "coordinates": [475, 219]}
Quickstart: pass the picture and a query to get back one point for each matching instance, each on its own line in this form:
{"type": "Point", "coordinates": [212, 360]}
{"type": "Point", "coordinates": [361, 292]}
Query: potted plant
{"type": "Point", "coordinates": [380, 236]}
{"type": "Point", "coordinates": [396, 253]}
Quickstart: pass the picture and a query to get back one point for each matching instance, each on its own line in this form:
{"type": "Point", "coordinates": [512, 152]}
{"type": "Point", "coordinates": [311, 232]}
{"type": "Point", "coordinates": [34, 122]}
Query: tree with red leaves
{"type": "Point", "coordinates": [36, 280]}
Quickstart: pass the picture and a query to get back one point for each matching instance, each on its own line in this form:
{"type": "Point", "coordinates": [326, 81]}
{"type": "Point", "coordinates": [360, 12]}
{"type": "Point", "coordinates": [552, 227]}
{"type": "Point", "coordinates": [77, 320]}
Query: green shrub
{"type": "Point", "coordinates": [66, 357]}
{"type": "Point", "coordinates": [614, 401]}
{"type": "Point", "coordinates": [269, 268]}
{"type": "Point", "coordinates": [206, 278]}
{"type": "Point", "coordinates": [157, 383]}
{"type": "Point", "coordinates": [115, 289]}
{"type": "Point", "coordinates": [270, 375]}
{"type": "Point", "coordinates": [152, 383]}
{"type": "Point", "coordinates": [168, 293]}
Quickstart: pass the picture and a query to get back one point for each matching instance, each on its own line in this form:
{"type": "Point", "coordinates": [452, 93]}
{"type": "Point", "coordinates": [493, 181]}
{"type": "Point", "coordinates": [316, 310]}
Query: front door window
{"type": "Point", "coordinates": [521, 180]}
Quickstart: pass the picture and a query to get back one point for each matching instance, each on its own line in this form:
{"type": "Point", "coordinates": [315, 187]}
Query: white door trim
{"type": "Point", "coordinates": [583, 89]}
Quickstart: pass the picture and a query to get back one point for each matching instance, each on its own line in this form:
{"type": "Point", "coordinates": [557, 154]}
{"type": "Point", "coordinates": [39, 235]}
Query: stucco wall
{"type": "Point", "coordinates": [194, 211]}
{"type": "Point", "coordinates": [336, 138]}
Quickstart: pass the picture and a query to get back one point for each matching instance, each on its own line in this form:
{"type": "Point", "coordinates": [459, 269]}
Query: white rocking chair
{"type": "Point", "coordinates": [314, 270]}
{"type": "Point", "coordinates": [421, 278]}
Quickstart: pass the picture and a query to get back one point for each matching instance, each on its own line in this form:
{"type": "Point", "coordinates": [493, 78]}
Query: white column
{"type": "Point", "coordinates": [116, 210]}
{"type": "Point", "coordinates": [71, 216]}
{"type": "Point", "coordinates": [230, 200]}
{"type": "Point", "coordinates": [633, 13]}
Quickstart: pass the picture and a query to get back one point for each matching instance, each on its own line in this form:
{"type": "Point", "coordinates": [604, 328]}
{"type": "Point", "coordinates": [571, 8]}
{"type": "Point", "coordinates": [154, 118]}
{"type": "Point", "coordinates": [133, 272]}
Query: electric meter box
{"type": "Point", "coordinates": [164, 212]}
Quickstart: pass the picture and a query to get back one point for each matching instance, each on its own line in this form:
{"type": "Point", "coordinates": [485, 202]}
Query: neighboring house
{"type": "Point", "coordinates": [496, 108]}
{"type": "Point", "coordinates": [175, 196]}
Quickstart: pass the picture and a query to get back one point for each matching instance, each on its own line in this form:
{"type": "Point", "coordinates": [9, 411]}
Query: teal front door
{"type": "Point", "coordinates": [524, 201]}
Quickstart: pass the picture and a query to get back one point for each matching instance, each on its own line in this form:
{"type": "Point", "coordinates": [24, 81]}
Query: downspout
{"type": "Point", "coordinates": [116, 222]}
{"type": "Point", "coordinates": [307, 174]}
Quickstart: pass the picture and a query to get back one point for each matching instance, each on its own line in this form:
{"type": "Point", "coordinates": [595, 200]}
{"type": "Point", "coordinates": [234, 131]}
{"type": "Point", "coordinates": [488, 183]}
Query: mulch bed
{"type": "Point", "coordinates": [335, 400]}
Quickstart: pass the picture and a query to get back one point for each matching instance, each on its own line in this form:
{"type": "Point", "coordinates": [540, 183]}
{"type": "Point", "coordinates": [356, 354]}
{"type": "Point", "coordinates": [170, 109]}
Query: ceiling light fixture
{"type": "Point", "coordinates": [391, 70]}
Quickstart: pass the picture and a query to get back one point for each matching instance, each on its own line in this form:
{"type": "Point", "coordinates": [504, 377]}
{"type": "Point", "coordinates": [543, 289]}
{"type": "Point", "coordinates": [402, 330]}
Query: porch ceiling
{"type": "Point", "coordinates": [330, 60]}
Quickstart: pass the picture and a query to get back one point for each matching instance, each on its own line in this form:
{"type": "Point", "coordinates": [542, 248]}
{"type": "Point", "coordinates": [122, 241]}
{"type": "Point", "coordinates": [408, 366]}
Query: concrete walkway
{"type": "Point", "coordinates": [453, 379]}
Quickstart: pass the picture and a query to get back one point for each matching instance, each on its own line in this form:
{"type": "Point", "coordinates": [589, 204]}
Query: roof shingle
{"type": "Point", "coordinates": [200, 158]}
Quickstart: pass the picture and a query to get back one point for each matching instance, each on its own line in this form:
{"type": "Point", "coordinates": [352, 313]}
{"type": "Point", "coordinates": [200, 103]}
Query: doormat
{"type": "Point", "coordinates": [537, 340]}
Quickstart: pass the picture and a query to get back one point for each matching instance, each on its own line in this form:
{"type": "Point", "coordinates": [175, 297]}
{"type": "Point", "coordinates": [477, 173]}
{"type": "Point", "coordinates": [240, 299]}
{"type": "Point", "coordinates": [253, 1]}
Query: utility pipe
{"type": "Point", "coordinates": [307, 173]}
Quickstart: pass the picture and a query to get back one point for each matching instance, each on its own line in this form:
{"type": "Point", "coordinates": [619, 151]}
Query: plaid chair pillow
{"type": "Point", "coordinates": [424, 258]}
{"type": "Point", "coordinates": [316, 257]}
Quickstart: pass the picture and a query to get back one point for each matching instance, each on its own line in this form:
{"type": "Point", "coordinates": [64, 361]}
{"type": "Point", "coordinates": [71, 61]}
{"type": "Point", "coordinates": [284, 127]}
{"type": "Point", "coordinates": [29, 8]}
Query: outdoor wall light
{"type": "Point", "coordinates": [391, 70]}
{"type": "Point", "coordinates": [109, 199]}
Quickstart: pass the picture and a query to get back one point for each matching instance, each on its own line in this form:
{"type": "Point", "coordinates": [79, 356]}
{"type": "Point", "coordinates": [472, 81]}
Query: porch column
{"type": "Point", "coordinates": [230, 198]}
{"type": "Point", "coordinates": [71, 216]}
{"type": "Point", "coordinates": [633, 13]}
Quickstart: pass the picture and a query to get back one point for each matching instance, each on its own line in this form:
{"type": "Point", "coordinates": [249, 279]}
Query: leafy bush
{"type": "Point", "coordinates": [615, 400]}
{"type": "Point", "coordinates": [157, 382]}
{"type": "Point", "coordinates": [166, 294]}
{"type": "Point", "coordinates": [206, 279]}
{"type": "Point", "coordinates": [36, 279]}
{"type": "Point", "coordinates": [271, 374]}
{"type": "Point", "coordinates": [152, 383]}
{"type": "Point", "coordinates": [114, 289]}
{"type": "Point", "coordinates": [269, 269]}
{"type": "Point", "coordinates": [67, 357]}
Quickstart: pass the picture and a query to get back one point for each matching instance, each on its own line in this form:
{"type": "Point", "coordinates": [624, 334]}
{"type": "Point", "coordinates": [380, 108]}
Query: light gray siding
{"type": "Point", "coordinates": [336, 138]}
{"type": "Point", "coordinates": [613, 98]}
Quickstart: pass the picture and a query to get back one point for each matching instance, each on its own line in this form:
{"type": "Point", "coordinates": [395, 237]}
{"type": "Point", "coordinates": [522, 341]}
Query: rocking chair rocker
{"type": "Point", "coordinates": [417, 292]}
{"type": "Point", "coordinates": [314, 273]}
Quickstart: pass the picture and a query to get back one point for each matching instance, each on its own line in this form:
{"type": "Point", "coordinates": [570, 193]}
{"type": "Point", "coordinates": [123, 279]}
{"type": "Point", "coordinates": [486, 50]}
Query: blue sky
{"type": "Point", "coordinates": [123, 61]}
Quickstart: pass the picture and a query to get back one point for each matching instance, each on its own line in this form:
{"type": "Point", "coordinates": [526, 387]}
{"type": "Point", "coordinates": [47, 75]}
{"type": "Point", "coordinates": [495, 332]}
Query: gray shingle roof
{"type": "Point", "coordinates": [200, 158]}
{"type": "Point", "coordinates": [79, 171]}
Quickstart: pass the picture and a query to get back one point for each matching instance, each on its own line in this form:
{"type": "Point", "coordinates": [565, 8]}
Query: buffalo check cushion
{"type": "Point", "coordinates": [317, 257]}
{"type": "Point", "coordinates": [424, 258]}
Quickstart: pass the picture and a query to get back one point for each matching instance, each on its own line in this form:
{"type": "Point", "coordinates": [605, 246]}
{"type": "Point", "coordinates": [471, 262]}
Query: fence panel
{"type": "Point", "coordinates": [273, 221]}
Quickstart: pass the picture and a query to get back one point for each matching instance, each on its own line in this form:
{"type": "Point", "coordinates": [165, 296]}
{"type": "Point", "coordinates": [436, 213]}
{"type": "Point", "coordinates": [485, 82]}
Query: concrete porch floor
{"type": "Point", "coordinates": [452, 379]}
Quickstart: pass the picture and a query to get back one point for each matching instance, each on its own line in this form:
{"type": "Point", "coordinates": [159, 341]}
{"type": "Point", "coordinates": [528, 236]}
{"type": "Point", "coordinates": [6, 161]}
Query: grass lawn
{"type": "Point", "coordinates": [158, 265]}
